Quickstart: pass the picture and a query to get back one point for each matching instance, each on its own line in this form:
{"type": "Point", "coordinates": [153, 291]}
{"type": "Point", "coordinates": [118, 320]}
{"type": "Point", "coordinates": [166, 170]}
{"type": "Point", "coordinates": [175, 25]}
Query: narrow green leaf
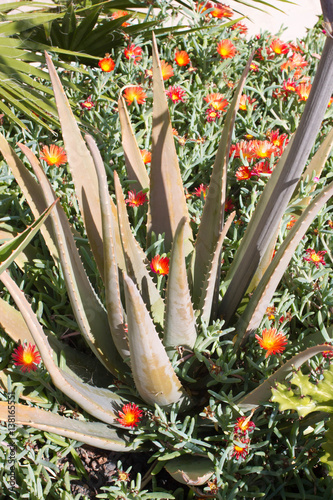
{"type": "Point", "coordinates": [154, 377]}
{"type": "Point", "coordinates": [82, 169]}
{"type": "Point", "coordinates": [135, 167]}
{"type": "Point", "coordinates": [167, 202]}
{"type": "Point", "coordinates": [92, 433]}
{"type": "Point", "coordinates": [180, 327]}
{"type": "Point", "coordinates": [112, 289]}
{"type": "Point", "coordinates": [136, 260]}
{"type": "Point", "coordinates": [213, 213]}
{"type": "Point", "coordinates": [263, 392]}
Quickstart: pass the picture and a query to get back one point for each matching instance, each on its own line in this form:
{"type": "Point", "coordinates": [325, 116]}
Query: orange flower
{"type": "Point", "coordinates": [241, 27]}
{"type": "Point", "coordinates": [297, 62]}
{"type": "Point", "coordinates": [137, 93]}
{"type": "Point", "coordinates": [203, 6]}
{"type": "Point", "coordinates": [118, 14]}
{"type": "Point", "coordinates": [244, 425]}
{"type": "Point", "coordinates": [160, 265]}
{"type": "Point", "coordinates": [167, 70]}
{"type": "Point", "coordinates": [87, 104]}
{"type": "Point", "coordinates": [244, 101]}
{"type": "Point", "coordinates": [303, 91]}
{"type": "Point", "coordinates": [146, 156]}
{"type": "Point", "coordinates": [315, 257]}
{"type": "Point", "coordinates": [272, 342]}
{"type": "Point", "coordinates": [271, 311]}
{"type": "Point", "coordinates": [130, 415]}
{"type": "Point", "coordinates": [220, 10]}
{"type": "Point", "coordinates": [263, 149]}
{"type": "Point", "coordinates": [54, 155]}
{"type": "Point", "coordinates": [243, 148]}
{"type": "Point", "coordinates": [263, 167]}
{"type": "Point", "coordinates": [291, 223]}
{"type": "Point", "coordinates": [279, 47]}
{"type": "Point", "coordinates": [107, 64]}
{"type": "Point", "coordinates": [330, 102]}
{"type": "Point", "coordinates": [226, 49]}
{"type": "Point", "coordinates": [123, 476]}
{"type": "Point", "coordinates": [243, 173]}
{"type": "Point", "coordinates": [279, 140]}
{"type": "Point", "coordinates": [241, 448]}
{"type": "Point", "coordinates": [176, 94]}
{"type": "Point", "coordinates": [201, 189]}
{"type": "Point", "coordinates": [26, 357]}
{"type": "Point", "coordinates": [136, 199]}
{"type": "Point", "coordinates": [216, 101]}
{"type": "Point", "coordinates": [133, 52]}
{"type": "Point", "coordinates": [182, 58]}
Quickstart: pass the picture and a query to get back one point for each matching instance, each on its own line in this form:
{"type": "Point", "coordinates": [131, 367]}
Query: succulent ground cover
{"type": "Point", "coordinates": [261, 454]}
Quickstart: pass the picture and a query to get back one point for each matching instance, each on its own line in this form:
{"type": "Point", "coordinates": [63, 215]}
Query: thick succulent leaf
{"type": "Point", "coordinates": [179, 322]}
{"type": "Point", "coordinates": [153, 374]}
{"type": "Point", "coordinates": [82, 169]}
{"type": "Point", "coordinates": [212, 275]}
{"type": "Point", "coordinates": [280, 187]}
{"type": "Point", "coordinates": [92, 433]}
{"type": "Point", "coordinates": [10, 250]}
{"type": "Point", "coordinates": [190, 470]}
{"type": "Point", "coordinates": [136, 170]}
{"type": "Point", "coordinates": [11, 320]}
{"type": "Point", "coordinates": [263, 392]}
{"type": "Point", "coordinates": [98, 402]}
{"type": "Point", "coordinates": [88, 310]}
{"type": "Point", "coordinates": [32, 191]}
{"type": "Point", "coordinates": [263, 294]}
{"type": "Point", "coordinates": [213, 213]}
{"type": "Point", "coordinates": [111, 279]}
{"type": "Point", "coordinates": [167, 202]}
{"type": "Point", "coordinates": [136, 260]}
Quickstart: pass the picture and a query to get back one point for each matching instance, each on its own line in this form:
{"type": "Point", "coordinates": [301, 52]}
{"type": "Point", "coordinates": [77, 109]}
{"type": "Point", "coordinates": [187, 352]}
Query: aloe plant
{"type": "Point", "coordinates": [144, 352]}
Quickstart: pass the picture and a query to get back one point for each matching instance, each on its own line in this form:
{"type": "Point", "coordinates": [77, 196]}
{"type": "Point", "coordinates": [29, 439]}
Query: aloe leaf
{"type": "Point", "coordinates": [92, 433]}
{"type": "Point", "coordinates": [32, 191]}
{"type": "Point", "coordinates": [136, 260]}
{"type": "Point", "coordinates": [280, 187]}
{"type": "Point", "coordinates": [10, 250]}
{"type": "Point", "coordinates": [98, 402]}
{"type": "Point", "coordinates": [213, 213]}
{"type": "Point", "coordinates": [190, 470]}
{"type": "Point", "coordinates": [82, 169]}
{"type": "Point", "coordinates": [263, 294]}
{"type": "Point", "coordinates": [167, 202]}
{"type": "Point", "coordinates": [88, 310]}
{"type": "Point", "coordinates": [209, 285]}
{"type": "Point", "coordinates": [135, 166]}
{"type": "Point", "coordinates": [263, 392]}
{"type": "Point", "coordinates": [112, 290]}
{"type": "Point", "coordinates": [11, 320]}
{"type": "Point", "coordinates": [180, 326]}
{"type": "Point", "coordinates": [153, 374]}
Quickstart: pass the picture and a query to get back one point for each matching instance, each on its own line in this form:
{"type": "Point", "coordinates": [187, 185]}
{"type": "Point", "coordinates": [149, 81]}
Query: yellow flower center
{"type": "Point", "coordinates": [27, 358]}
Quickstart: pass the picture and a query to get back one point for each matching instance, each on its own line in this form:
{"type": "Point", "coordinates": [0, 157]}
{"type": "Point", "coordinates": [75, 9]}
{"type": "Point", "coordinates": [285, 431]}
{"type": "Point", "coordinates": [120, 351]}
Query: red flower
{"type": "Point", "coordinates": [182, 58]}
{"type": "Point", "coordinates": [203, 6]}
{"type": "Point", "coordinates": [254, 67]}
{"type": "Point", "coordinates": [279, 47]}
{"type": "Point", "coordinates": [146, 156]}
{"type": "Point", "coordinates": [26, 357]}
{"type": "Point", "coordinates": [220, 10]}
{"type": "Point", "coordinates": [216, 101]}
{"type": "Point", "coordinates": [303, 91]}
{"type": "Point", "coordinates": [133, 52]}
{"type": "Point", "coordinates": [243, 173]}
{"type": "Point", "coordinates": [330, 102]}
{"type": "Point", "coordinates": [242, 148]}
{"type": "Point", "coordinates": [176, 94]}
{"type": "Point", "coordinates": [167, 70]}
{"type": "Point", "coordinates": [228, 206]}
{"type": "Point", "coordinates": [241, 448]}
{"type": "Point", "coordinates": [137, 93]}
{"type": "Point", "coordinates": [136, 199]}
{"type": "Point", "coordinates": [279, 140]}
{"type": "Point", "coordinates": [315, 257]}
{"type": "Point", "coordinates": [244, 101]}
{"type": "Point", "coordinates": [54, 155]}
{"type": "Point", "coordinates": [201, 189]}
{"type": "Point", "coordinates": [244, 425]}
{"type": "Point", "coordinates": [130, 415]}
{"type": "Point", "coordinates": [263, 149]}
{"type": "Point", "coordinates": [212, 114]}
{"type": "Point", "coordinates": [160, 265]}
{"type": "Point", "coordinates": [226, 49]}
{"type": "Point", "coordinates": [263, 167]}
{"type": "Point", "coordinates": [272, 342]}
{"type": "Point", "coordinates": [87, 104]}
{"type": "Point", "coordinates": [107, 64]}
{"type": "Point", "coordinates": [241, 27]}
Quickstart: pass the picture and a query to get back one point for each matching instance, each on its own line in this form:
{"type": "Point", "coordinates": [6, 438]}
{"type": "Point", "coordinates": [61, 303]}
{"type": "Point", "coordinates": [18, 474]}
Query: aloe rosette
{"type": "Point", "coordinates": [136, 332]}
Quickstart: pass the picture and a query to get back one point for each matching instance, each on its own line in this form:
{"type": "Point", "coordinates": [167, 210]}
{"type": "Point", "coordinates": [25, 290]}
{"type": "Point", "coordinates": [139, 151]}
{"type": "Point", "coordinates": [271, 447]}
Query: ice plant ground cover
{"type": "Point", "coordinates": [263, 454]}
